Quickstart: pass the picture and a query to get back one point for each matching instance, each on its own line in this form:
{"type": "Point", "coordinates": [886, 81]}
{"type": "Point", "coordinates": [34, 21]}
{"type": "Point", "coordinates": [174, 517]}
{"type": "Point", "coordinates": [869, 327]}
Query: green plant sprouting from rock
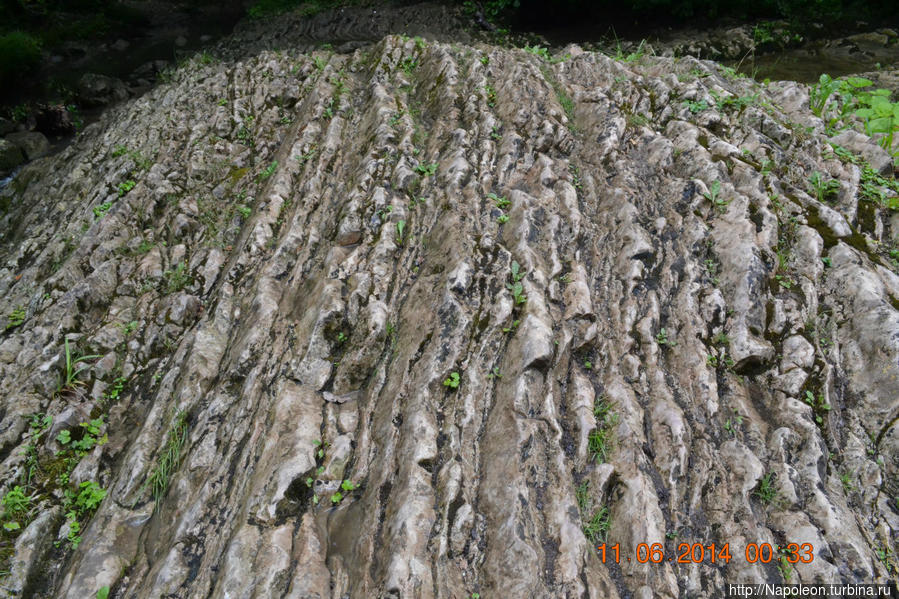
{"type": "Point", "coordinates": [841, 103]}
{"type": "Point", "coordinates": [345, 487]}
{"type": "Point", "coordinates": [601, 440]}
{"type": "Point", "coordinates": [663, 340]}
{"type": "Point", "coordinates": [426, 170]}
{"type": "Point", "coordinates": [268, 171]}
{"type": "Point", "coordinates": [766, 491]}
{"type": "Point", "coordinates": [823, 188]}
{"type": "Point", "coordinates": [125, 186]}
{"type": "Point", "coordinates": [74, 366]}
{"type": "Point", "coordinates": [177, 278]}
{"type": "Point", "coordinates": [713, 196]}
{"type": "Point", "coordinates": [596, 519]}
{"type": "Point", "coordinates": [818, 404]}
{"type": "Point", "coordinates": [16, 318]}
{"type": "Point", "coordinates": [878, 189]}
{"type": "Point", "coordinates": [78, 505]}
{"type": "Point", "coordinates": [501, 203]}
{"type": "Point", "coordinates": [16, 507]}
{"type": "Point", "coordinates": [516, 286]}
{"type": "Point", "coordinates": [452, 381]}
{"type": "Point", "coordinates": [45, 477]}
{"type": "Point", "coordinates": [90, 437]}
{"type": "Point", "coordinates": [169, 458]}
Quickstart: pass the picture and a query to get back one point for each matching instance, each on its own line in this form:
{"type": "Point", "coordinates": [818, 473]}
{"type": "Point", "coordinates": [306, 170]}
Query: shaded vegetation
{"type": "Point", "coordinates": [802, 14]}
{"type": "Point", "coordinates": [29, 26]}
{"type": "Point", "coordinates": [19, 53]}
{"type": "Point", "coordinates": [56, 21]}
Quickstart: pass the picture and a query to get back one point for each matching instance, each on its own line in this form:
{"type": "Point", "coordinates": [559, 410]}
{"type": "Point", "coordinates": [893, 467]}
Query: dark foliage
{"type": "Point", "coordinates": [801, 13]}
{"type": "Point", "coordinates": [19, 52]}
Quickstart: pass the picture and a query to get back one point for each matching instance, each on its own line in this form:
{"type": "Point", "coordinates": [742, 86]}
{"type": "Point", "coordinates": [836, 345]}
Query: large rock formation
{"type": "Point", "coordinates": [427, 320]}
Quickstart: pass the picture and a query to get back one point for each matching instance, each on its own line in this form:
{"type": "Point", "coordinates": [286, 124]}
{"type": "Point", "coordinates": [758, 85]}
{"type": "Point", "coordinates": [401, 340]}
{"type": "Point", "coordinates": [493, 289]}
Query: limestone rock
{"type": "Point", "coordinates": [320, 357]}
{"type": "Point", "coordinates": [54, 119]}
{"type": "Point", "coordinates": [100, 90]}
{"type": "Point", "coordinates": [6, 126]}
{"type": "Point", "coordinates": [867, 148]}
{"type": "Point", "coordinates": [10, 156]}
{"type": "Point", "coordinates": [32, 144]}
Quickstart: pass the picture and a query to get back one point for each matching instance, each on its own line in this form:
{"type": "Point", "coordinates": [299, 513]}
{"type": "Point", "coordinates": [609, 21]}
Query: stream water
{"type": "Point", "coordinates": [807, 64]}
{"type": "Point", "coordinates": [6, 180]}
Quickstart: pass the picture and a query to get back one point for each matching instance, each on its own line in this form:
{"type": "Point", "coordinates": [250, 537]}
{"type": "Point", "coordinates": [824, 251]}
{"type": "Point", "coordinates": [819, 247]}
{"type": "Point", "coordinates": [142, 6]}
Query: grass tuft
{"type": "Point", "coordinates": [169, 458]}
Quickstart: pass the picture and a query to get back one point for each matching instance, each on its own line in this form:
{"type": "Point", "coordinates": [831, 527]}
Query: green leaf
{"type": "Point", "coordinates": [452, 381]}
{"type": "Point", "coordinates": [64, 437]}
{"type": "Point", "coordinates": [515, 269]}
{"type": "Point", "coordinates": [858, 81]}
{"type": "Point", "coordinates": [11, 526]}
{"type": "Point", "coordinates": [347, 485]}
{"type": "Point", "coordinates": [882, 106]}
{"type": "Point", "coordinates": [881, 125]}
{"type": "Point", "coordinates": [103, 593]}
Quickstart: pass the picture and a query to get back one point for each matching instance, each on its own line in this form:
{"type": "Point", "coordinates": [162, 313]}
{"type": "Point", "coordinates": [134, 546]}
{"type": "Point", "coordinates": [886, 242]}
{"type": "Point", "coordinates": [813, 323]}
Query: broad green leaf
{"type": "Point", "coordinates": [882, 107]}
{"type": "Point", "coordinates": [859, 82]}
{"type": "Point", "coordinates": [881, 125]}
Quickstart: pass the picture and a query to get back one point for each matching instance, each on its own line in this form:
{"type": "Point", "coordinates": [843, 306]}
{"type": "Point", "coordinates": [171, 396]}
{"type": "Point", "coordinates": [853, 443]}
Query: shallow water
{"type": "Point", "coordinates": [805, 65]}
{"type": "Point", "coordinates": [6, 181]}
{"type": "Point", "coordinates": [837, 58]}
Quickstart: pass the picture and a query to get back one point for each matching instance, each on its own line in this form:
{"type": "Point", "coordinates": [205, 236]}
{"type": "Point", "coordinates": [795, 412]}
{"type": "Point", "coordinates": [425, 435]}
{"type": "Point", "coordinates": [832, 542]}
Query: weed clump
{"type": "Point", "coordinates": [169, 458]}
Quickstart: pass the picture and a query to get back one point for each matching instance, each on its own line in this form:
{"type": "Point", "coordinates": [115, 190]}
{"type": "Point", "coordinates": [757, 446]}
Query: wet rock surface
{"type": "Point", "coordinates": [11, 156]}
{"type": "Point", "coordinates": [32, 144]}
{"type": "Point", "coordinates": [424, 319]}
{"type": "Point", "coordinates": [99, 90]}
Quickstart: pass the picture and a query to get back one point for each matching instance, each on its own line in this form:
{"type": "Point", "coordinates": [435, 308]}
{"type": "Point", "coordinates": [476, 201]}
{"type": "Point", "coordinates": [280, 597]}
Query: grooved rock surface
{"type": "Point", "coordinates": [277, 263]}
